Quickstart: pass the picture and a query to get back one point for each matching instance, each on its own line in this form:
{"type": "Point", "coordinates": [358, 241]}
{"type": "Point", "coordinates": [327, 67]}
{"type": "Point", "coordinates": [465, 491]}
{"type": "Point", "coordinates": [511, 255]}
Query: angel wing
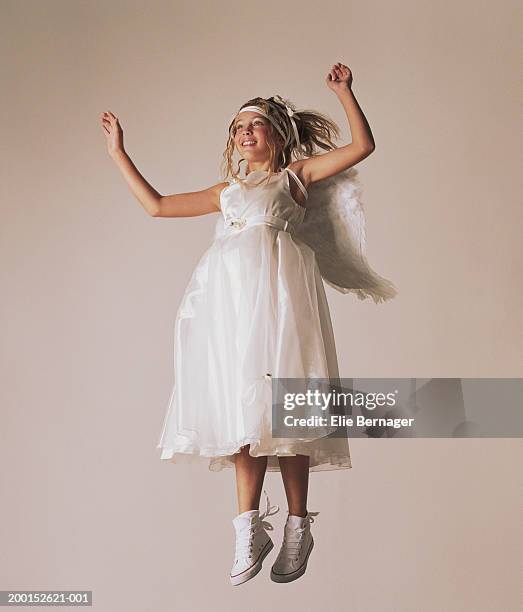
{"type": "Point", "coordinates": [334, 227]}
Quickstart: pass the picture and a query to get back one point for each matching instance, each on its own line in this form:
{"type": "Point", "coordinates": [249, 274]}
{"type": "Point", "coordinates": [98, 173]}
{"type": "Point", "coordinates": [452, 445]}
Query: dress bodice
{"type": "Point", "coordinates": [254, 197]}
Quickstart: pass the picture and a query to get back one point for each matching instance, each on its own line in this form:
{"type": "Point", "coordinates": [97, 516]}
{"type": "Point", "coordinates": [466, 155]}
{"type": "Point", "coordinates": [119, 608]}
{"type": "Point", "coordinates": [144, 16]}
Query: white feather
{"type": "Point", "coordinates": [334, 227]}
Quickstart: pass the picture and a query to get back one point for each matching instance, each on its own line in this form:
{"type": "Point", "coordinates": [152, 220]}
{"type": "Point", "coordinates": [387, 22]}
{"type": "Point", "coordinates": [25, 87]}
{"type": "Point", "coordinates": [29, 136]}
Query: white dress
{"type": "Point", "coordinates": [255, 308]}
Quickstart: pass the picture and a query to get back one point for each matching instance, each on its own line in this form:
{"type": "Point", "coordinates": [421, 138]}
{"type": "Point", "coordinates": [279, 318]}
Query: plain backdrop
{"type": "Point", "coordinates": [91, 286]}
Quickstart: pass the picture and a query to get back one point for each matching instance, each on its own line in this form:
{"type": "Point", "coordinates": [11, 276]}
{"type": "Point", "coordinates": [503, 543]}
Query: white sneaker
{"type": "Point", "coordinates": [253, 543]}
{"type": "Point", "coordinates": [292, 559]}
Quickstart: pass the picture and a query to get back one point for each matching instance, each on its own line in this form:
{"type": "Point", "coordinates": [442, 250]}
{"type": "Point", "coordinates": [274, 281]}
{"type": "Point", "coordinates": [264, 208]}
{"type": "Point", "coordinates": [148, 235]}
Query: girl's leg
{"type": "Point", "coordinates": [295, 474]}
{"type": "Point", "coordinates": [250, 472]}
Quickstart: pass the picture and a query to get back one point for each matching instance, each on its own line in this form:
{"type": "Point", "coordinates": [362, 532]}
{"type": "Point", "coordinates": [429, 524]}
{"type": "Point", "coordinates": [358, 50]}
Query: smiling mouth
{"type": "Point", "coordinates": [249, 143]}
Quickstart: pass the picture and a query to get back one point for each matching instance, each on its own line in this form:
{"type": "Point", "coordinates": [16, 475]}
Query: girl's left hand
{"type": "Point", "coordinates": [339, 77]}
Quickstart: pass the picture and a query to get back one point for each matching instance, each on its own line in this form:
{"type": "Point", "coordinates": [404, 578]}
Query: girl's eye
{"type": "Point", "coordinates": [255, 123]}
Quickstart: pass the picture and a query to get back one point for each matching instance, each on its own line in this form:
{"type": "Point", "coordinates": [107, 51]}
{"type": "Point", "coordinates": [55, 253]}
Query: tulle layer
{"type": "Point", "coordinates": [324, 454]}
{"type": "Point", "coordinates": [255, 308]}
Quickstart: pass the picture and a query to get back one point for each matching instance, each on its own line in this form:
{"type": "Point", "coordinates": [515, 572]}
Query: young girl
{"type": "Point", "coordinates": [255, 308]}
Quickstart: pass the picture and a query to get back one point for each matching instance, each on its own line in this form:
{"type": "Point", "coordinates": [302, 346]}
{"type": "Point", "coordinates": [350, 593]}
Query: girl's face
{"type": "Point", "coordinates": [251, 133]}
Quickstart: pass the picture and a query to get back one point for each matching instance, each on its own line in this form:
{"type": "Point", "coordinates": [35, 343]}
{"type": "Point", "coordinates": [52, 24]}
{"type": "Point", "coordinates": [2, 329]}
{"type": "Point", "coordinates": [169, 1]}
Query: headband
{"type": "Point", "coordinates": [290, 112]}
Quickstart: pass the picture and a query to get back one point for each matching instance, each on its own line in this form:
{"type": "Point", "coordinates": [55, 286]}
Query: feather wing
{"type": "Point", "coordinates": [334, 227]}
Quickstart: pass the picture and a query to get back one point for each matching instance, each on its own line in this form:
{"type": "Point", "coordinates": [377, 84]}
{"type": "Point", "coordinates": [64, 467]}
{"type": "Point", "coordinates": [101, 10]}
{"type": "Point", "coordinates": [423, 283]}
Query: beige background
{"type": "Point", "coordinates": [91, 286]}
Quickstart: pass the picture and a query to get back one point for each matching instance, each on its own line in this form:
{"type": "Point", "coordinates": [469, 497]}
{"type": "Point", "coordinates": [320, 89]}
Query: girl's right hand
{"type": "Point", "coordinates": [113, 133]}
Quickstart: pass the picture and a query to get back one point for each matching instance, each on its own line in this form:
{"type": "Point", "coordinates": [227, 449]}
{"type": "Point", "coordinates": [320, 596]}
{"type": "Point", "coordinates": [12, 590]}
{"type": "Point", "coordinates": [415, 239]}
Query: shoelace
{"type": "Point", "coordinates": [292, 540]}
{"type": "Point", "coordinates": [244, 544]}
{"type": "Point", "coordinates": [269, 511]}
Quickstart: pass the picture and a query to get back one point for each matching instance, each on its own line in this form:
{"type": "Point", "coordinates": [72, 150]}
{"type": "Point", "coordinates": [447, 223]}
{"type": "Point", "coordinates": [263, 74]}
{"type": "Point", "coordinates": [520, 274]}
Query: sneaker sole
{"type": "Point", "coordinates": [252, 571]}
{"type": "Point", "coordinates": [297, 573]}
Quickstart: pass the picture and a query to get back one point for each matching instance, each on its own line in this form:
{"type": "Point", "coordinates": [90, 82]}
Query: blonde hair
{"type": "Point", "coordinates": [315, 130]}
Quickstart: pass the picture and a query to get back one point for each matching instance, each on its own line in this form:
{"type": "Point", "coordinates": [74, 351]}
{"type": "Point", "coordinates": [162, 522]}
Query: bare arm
{"type": "Point", "coordinates": [322, 166]}
{"type": "Point", "coordinates": [188, 204]}
{"type": "Point", "coordinates": [148, 197]}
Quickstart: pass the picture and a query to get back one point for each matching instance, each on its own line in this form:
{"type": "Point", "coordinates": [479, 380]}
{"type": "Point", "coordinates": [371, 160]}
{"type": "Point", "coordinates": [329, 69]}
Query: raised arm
{"type": "Point", "coordinates": [190, 204]}
{"type": "Point", "coordinates": [322, 166]}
